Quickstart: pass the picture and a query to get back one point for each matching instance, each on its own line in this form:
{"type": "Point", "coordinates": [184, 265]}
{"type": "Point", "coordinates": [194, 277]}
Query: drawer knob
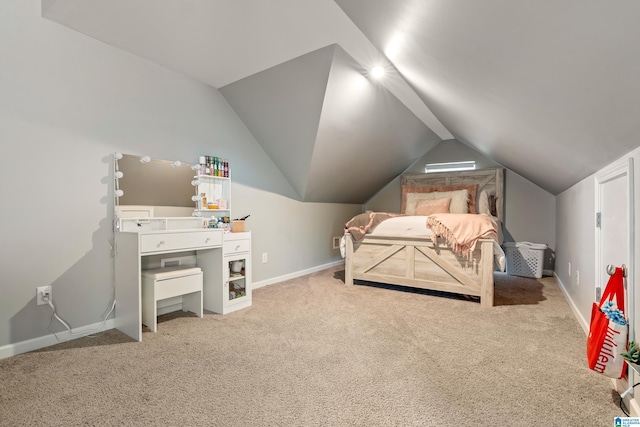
{"type": "Point", "coordinates": [208, 240]}
{"type": "Point", "coordinates": [160, 243]}
{"type": "Point", "coordinates": [237, 247]}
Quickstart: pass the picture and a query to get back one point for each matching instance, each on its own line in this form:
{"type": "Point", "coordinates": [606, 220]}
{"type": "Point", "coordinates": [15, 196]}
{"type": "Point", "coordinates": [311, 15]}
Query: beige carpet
{"type": "Point", "coordinates": [314, 352]}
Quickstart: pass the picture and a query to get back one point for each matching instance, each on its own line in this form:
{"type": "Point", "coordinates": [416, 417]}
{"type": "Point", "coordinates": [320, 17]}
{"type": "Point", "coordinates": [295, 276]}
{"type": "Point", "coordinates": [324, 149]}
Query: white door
{"type": "Point", "coordinates": [614, 233]}
{"type": "Point", "coordinates": [613, 214]}
{"type": "Point", "coordinates": [614, 227]}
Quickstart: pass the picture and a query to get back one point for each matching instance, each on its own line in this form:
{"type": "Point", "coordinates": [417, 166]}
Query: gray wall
{"type": "Point", "coordinates": [575, 218]}
{"type": "Point", "coordinates": [67, 103]}
{"type": "Point", "coordinates": [576, 242]}
{"type": "Point", "coordinates": [529, 210]}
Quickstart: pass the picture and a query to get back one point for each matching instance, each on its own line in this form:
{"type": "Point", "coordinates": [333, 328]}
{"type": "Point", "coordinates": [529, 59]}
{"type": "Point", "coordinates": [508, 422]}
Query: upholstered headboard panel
{"type": "Point", "coordinates": [490, 180]}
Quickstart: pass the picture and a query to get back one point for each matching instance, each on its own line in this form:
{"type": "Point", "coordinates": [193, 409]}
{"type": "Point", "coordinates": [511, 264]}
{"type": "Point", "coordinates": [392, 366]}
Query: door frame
{"type": "Point", "coordinates": [619, 168]}
{"type": "Point", "coordinates": [622, 167]}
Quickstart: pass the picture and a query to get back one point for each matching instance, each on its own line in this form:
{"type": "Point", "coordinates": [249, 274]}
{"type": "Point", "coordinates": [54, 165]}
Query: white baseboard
{"type": "Point", "coordinates": [581, 320]}
{"type": "Point", "coordinates": [618, 385]}
{"type": "Point", "coordinates": [621, 385]}
{"type": "Point", "coordinates": [634, 407]}
{"type": "Point", "coordinates": [49, 340]}
{"type": "Point", "coordinates": [296, 274]}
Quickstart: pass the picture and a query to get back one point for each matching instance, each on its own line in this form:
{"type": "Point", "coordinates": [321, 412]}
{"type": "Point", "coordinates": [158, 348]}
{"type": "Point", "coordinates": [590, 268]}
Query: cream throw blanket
{"type": "Point", "coordinates": [462, 231]}
{"type": "Point", "coordinates": [365, 223]}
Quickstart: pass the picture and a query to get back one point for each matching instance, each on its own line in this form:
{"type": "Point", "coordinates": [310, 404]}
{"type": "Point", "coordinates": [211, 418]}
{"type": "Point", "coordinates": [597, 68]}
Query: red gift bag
{"type": "Point", "coordinates": [607, 338]}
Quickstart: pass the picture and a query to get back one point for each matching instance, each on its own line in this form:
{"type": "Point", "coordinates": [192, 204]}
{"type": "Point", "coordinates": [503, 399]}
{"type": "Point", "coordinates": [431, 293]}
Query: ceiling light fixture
{"type": "Point", "coordinates": [377, 72]}
{"type": "Point", "coordinates": [450, 166]}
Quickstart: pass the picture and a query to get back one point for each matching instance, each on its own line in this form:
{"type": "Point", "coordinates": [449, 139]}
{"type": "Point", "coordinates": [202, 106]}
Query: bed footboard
{"type": "Point", "coordinates": [422, 263]}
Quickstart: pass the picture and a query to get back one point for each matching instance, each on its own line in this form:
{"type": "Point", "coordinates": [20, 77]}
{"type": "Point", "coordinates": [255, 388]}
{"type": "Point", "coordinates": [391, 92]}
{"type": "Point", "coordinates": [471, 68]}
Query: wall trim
{"type": "Point", "coordinates": [581, 320]}
{"type": "Point", "coordinates": [618, 385]}
{"type": "Point", "coordinates": [296, 274]}
{"type": "Point", "coordinates": [49, 340]}
{"type": "Point", "coordinates": [633, 406]}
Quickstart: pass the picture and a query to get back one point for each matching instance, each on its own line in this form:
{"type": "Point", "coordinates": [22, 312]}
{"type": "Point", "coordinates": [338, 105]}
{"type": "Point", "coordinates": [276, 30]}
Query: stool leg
{"type": "Point", "coordinates": [193, 302]}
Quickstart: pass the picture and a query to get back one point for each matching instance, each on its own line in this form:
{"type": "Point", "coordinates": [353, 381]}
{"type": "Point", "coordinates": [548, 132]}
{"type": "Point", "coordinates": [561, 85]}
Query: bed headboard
{"type": "Point", "coordinates": [491, 180]}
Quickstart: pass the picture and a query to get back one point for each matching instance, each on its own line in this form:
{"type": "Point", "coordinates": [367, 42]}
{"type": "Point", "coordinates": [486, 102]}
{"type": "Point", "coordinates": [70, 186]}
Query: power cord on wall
{"type": "Point", "coordinates": [623, 395]}
{"type": "Point", "coordinates": [47, 298]}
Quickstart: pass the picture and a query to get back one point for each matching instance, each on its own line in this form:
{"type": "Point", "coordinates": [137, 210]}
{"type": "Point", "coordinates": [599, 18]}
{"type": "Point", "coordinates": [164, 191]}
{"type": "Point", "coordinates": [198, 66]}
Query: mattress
{"type": "Point", "coordinates": [417, 226]}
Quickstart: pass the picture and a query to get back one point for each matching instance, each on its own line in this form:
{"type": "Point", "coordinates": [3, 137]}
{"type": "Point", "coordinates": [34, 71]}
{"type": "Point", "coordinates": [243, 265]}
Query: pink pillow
{"type": "Point", "coordinates": [427, 207]}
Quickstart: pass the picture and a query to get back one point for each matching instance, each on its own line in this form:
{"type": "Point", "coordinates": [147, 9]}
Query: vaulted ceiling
{"type": "Point", "coordinates": [549, 89]}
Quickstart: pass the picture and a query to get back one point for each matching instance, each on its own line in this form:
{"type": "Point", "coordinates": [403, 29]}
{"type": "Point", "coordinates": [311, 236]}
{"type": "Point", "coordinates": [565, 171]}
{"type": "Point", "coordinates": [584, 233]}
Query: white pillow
{"type": "Point", "coordinates": [484, 207]}
{"type": "Point", "coordinates": [483, 203]}
{"type": "Point", "coordinates": [459, 200]}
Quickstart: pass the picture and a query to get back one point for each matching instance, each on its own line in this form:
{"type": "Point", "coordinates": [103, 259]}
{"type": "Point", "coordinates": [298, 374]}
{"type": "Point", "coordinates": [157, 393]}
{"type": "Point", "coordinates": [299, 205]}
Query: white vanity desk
{"type": "Point", "coordinates": [138, 238]}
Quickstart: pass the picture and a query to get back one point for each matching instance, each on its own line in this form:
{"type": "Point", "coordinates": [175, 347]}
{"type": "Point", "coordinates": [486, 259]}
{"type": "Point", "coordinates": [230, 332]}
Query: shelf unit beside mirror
{"type": "Point", "coordinates": [217, 192]}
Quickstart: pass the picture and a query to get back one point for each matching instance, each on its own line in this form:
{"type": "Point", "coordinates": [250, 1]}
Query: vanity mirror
{"type": "Point", "coordinates": [161, 185]}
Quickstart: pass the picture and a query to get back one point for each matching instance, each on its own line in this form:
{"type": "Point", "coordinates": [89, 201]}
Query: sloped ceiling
{"type": "Point", "coordinates": [333, 126]}
{"type": "Point", "coordinates": [549, 89]}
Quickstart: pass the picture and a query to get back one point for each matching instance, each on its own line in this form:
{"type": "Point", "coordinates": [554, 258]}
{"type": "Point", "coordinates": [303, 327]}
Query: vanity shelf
{"type": "Point", "coordinates": [221, 178]}
{"type": "Point", "coordinates": [215, 188]}
{"type": "Point", "coordinates": [213, 210]}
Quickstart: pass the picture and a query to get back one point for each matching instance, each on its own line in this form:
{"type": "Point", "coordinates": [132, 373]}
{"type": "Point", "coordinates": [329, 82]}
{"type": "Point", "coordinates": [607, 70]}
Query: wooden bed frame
{"type": "Point", "coordinates": [427, 263]}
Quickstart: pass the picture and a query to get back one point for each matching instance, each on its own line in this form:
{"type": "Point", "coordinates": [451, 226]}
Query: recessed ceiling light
{"type": "Point", "coordinates": [377, 72]}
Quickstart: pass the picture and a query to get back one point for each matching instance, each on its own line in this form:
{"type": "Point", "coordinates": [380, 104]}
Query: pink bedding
{"type": "Point", "coordinates": [462, 231]}
{"type": "Point", "coordinates": [408, 225]}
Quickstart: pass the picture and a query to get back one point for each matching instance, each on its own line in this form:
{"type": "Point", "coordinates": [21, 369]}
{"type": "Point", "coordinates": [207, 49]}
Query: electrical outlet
{"type": "Point", "coordinates": [577, 277]}
{"type": "Point", "coordinates": [569, 269]}
{"type": "Point", "coordinates": [336, 242]}
{"type": "Point", "coordinates": [264, 258]}
{"type": "Point", "coordinates": [41, 293]}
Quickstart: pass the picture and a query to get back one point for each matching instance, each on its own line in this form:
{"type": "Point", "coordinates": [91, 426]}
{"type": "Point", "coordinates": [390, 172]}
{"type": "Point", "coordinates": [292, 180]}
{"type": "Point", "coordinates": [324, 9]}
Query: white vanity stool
{"type": "Point", "coordinates": [168, 282]}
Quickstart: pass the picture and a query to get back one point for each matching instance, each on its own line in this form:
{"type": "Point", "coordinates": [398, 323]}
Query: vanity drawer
{"type": "Point", "coordinates": [233, 246]}
{"type": "Point", "coordinates": [164, 242]}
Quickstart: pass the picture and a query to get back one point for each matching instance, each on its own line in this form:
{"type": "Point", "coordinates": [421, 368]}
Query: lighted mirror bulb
{"type": "Point", "coordinates": [119, 174]}
{"type": "Point", "coordinates": [119, 193]}
{"type": "Point", "coordinates": [145, 159]}
{"type": "Point", "coordinates": [195, 182]}
{"type": "Point", "coordinates": [176, 164]}
{"type": "Point", "coordinates": [117, 156]}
